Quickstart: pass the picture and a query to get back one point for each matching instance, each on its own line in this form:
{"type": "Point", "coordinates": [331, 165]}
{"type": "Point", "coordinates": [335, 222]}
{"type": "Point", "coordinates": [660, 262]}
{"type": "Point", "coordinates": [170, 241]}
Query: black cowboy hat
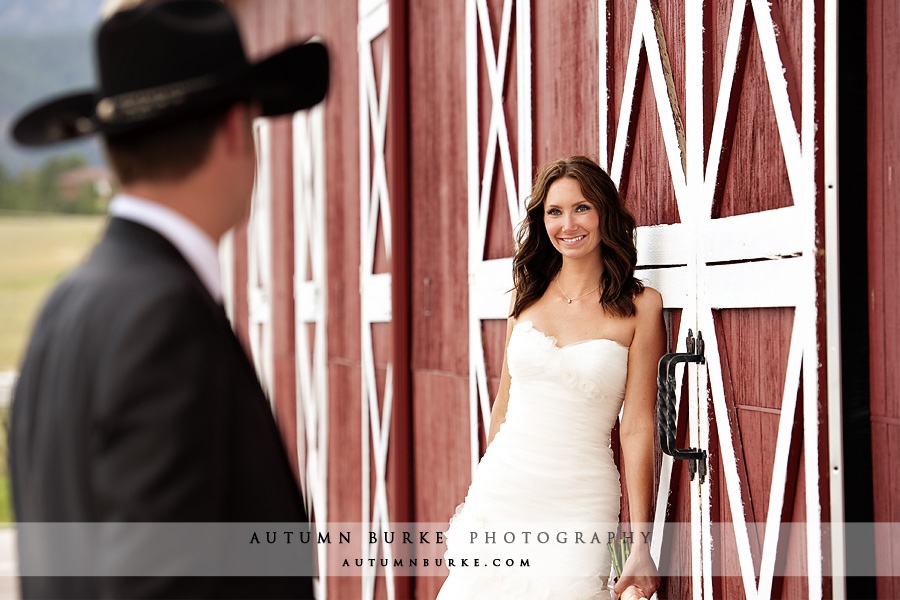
{"type": "Point", "coordinates": [165, 60]}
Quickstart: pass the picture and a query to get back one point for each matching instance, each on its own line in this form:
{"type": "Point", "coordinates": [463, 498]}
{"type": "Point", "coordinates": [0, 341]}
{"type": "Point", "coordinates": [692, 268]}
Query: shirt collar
{"type": "Point", "coordinates": [200, 250]}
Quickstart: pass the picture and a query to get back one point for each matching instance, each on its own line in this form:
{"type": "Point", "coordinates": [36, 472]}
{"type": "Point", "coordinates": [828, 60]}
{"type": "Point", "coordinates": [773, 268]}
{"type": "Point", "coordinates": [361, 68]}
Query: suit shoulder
{"type": "Point", "coordinates": [112, 292]}
{"type": "Point", "coordinates": [114, 285]}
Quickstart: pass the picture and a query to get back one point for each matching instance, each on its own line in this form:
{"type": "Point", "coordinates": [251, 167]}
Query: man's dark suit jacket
{"type": "Point", "coordinates": [137, 403]}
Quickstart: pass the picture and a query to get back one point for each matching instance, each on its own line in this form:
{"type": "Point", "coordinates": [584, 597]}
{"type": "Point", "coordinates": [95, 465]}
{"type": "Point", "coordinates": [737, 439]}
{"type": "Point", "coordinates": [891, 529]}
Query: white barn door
{"type": "Point", "coordinates": [711, 266]}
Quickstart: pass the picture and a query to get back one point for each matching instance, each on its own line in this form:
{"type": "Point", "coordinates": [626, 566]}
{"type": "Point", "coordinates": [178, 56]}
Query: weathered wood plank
{"type": "Point", "coordinates": [565, 76]}
{"type": "Point", "coordinates": [646, 180]}
{"type": "Point", "coordinates": [438, 263]}
{"type": "Point", "coordinates": [756, 178]}
{"type": "Point", "coordinates": [344, 459]}
{"type": "Point", "coordinates": [878, 112]}
{"type": "Point", "coordinates": [883, 140]}
{"type": "Point", "coordinates": [891, 208]}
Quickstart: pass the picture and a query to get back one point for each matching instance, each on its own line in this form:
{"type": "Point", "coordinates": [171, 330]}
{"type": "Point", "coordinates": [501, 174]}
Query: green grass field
{"type": "Point", "coordinates": [35, 251]}
{"type": "Point", "coordinates": [6, 512]}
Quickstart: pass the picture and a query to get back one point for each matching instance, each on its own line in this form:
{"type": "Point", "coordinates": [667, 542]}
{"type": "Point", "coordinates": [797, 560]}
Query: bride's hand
{"type": "Point", "coordinates": [633, 592]}
{"type": "Point", "coordinates": [639, 579]}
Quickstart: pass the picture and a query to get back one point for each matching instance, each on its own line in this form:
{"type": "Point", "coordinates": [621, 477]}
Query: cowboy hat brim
{"type": "Point", "coordinates": [62, 118]}
{"type": "Point", "coordinates": [291, 80]}
{"type": "Point", "coordinates": [288, 81]}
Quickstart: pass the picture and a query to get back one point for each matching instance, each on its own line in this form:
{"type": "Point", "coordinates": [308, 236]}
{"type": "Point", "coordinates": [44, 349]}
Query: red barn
{"type": "Point", "coordinates": [371, 281]}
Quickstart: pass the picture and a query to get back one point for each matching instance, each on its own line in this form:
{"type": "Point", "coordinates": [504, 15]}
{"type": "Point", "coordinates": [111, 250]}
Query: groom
{"type": "Point", "coordinates": [136, 402]}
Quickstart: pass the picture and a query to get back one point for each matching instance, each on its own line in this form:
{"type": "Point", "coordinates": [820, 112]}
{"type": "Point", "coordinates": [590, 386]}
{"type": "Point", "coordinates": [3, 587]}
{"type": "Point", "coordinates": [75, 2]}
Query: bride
{"type": "Point", "coordinates": [584, 338]}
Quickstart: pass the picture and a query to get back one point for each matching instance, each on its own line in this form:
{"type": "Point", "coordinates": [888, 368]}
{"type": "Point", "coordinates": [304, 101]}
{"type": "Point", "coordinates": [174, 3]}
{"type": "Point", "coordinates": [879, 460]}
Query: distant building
{"type": "Point", "coordinates": [72, 182]}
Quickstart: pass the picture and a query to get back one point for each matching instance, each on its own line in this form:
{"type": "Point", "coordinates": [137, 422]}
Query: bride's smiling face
{"type": "Point", "coordinates": [572, 222]}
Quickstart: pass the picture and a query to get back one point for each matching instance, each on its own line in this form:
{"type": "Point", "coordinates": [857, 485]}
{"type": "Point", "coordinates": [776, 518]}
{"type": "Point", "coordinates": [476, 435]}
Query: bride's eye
{"type": "Point", "coordinates": [582, 208]}
{"type": "Point", "coordinates": [553, 211]}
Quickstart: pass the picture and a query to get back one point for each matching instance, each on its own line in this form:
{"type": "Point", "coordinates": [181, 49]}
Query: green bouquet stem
{"type": "Point", "coordinates": [619, 551]}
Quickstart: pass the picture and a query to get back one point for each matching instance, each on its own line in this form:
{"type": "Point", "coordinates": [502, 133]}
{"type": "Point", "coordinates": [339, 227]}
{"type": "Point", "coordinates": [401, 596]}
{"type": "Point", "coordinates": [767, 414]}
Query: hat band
{"type": "Point", "coordinates": [139, 105]}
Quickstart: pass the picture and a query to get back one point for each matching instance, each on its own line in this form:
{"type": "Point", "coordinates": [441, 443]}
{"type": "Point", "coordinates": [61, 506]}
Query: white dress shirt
{"type": "Point", "coordinates": [200, 250]}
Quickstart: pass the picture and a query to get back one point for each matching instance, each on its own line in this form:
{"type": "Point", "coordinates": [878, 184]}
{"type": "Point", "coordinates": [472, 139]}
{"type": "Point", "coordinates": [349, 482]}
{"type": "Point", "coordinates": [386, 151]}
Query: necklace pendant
{"type": "Point", "coordinates": [570, 301]}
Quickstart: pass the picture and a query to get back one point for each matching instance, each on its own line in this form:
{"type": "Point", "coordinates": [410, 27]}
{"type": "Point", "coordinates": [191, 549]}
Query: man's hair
{"type": "Point", "coordinates": [164, 152]}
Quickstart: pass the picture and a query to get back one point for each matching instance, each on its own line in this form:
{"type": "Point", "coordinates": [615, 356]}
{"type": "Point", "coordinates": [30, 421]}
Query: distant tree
{"type": "Point", "coordinates": [85, 201]}
{"type": "Point", "coordinates": [4, 183]}
{"type": "Point", "coordinates": [50, 195]}
{"type": "Point", "coordinates": [40, 190]}
{"type": "Point", "coordinates": [12, 193]}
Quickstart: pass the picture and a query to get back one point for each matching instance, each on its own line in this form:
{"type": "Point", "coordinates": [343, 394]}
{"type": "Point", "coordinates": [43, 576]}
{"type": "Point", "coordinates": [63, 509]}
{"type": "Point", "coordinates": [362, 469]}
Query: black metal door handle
{"type": "Point", "coordinates": [665, 401]}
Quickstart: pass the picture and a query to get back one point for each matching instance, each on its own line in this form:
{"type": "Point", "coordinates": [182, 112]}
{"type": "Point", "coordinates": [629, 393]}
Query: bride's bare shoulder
{"type": "Point", "coordinates": [649, 326]}
{"type": "Point", "coordinates": [648, 302]}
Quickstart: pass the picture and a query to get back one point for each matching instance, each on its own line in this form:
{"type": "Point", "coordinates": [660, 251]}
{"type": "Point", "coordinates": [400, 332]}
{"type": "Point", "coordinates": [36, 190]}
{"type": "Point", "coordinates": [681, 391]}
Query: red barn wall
{"type": "Point", "coordinates": [884, 278]}
{"type": "Point", "coordinates": [565, 121]}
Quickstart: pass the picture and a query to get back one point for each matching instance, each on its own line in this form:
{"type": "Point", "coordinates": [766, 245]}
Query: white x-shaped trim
{"type": "Point", "coordinates": [375, 288]}
{"type": "Point", "coordinates": [310, 308]}
{"type": "Point", "coordinates": [489, 280]}
{"type": "Point", "coordinates": [259, 261]}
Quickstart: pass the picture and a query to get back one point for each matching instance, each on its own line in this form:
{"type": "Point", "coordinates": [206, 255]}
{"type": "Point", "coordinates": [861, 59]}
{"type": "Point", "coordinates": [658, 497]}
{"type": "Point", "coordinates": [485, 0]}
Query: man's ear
{"type": "Point", "coordinates": [237, 129]}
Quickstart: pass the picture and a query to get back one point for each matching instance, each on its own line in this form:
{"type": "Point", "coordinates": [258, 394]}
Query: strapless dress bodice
{"type": "Point", "coordinates": [565, 395]}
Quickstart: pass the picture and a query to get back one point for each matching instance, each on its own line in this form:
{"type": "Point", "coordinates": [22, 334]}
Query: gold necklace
{"type": "Point", "coordinates": [572, 299]}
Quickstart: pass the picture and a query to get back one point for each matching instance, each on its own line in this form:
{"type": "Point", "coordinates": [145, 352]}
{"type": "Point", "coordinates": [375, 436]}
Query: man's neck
{"type": "Point", "coordinates": [180, 197]}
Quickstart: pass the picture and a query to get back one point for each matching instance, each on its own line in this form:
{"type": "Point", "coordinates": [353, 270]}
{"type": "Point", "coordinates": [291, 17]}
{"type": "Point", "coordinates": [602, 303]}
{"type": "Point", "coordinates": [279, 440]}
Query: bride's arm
{"type": "Point", "coordinates": [498, 410]}
{"type": "Point", "coordinates": [637, 432]}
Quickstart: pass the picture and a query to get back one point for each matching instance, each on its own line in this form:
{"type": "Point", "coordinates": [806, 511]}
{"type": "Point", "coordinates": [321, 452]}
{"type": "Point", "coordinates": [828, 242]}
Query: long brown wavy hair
{"type": "Point", "coordinates": [536, 261]}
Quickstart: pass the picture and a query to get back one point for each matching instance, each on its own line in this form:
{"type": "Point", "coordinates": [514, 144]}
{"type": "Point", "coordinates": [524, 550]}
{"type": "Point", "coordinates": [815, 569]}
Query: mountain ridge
{"type": "Point", "coordinates": [45, 50]}
{"type": "Point", "coordinates": [37, 17]}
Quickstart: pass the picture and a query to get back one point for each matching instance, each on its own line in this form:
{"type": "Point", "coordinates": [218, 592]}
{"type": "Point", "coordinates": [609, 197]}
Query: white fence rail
{"type": "Point", "coordinates": [7, 382]}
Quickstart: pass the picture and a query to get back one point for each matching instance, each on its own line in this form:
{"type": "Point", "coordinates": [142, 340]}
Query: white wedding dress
{"type": "Point", "coordinates": [546, 481]}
